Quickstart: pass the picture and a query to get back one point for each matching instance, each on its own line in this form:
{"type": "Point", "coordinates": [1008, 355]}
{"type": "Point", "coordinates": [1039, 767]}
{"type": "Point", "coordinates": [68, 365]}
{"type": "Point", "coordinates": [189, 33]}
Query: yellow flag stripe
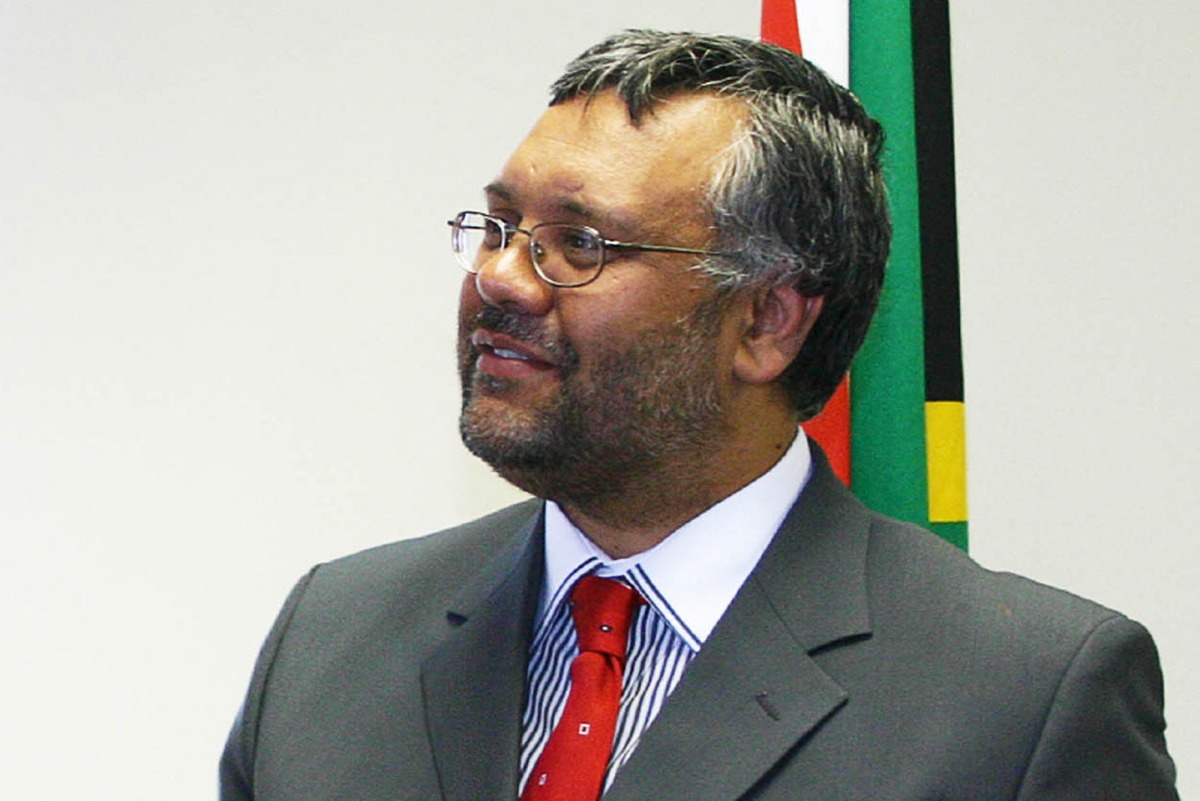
{"type": "Point", "coordinates": [946, 460]}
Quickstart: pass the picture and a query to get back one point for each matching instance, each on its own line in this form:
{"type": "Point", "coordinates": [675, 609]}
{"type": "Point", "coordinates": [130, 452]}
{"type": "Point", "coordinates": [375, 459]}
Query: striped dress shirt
{"type": "Point", "coordinates": [687, 580]}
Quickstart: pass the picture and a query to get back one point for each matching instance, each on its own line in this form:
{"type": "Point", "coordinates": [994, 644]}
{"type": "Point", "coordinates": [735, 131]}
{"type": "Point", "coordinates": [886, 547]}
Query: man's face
{"type": "Point", "coordinates": [571, 392]}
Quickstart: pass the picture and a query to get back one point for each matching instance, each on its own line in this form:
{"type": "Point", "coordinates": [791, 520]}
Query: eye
{"type": "Point", "coordinates": [493, 233]}
{"type": "Point", "coordinates": [580, 239]}
{"type": "Point", "coordinates": [580, 247]}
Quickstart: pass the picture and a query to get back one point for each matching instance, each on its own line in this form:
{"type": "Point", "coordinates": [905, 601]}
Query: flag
{"type": "Point", "coordinates": [900, 419]}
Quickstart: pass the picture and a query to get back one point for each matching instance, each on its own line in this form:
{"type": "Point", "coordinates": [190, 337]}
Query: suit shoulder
{"type": "Point", "coordinates": [1078, 684]}
{"type": "Point", "coordinates": [460, 548]}
{"type": "Point", "coordinates": [426, 570]}
{"type": "Point", "coordinates": [925, 575]}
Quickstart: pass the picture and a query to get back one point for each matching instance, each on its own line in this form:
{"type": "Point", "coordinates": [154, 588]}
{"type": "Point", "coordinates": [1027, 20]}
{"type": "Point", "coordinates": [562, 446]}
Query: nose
{"type": "Point", "coordinates": [508, 280]}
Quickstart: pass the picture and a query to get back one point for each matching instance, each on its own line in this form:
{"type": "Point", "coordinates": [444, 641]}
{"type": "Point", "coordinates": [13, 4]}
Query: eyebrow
{"type": "Point", "coordinates": [499, 189]}
{"type": "Point", "coordinates": [574, 208]}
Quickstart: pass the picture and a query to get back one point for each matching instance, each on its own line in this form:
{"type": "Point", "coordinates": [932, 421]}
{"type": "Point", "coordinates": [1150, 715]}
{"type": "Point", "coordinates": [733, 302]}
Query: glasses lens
{"type": "Point", "coordinates": [474, 237]}
{"type": "Point", "coordinates": [567, 255]}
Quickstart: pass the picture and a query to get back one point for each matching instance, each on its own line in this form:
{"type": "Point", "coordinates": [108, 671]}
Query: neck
{"type": "Point", "coordinates": [644, 511]}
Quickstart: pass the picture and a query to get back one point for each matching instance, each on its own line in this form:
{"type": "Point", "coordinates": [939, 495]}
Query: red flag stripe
{"type": "Point", "coordinates": [831, 428]}
{"type": "Point", "coordinates": [779, 24]}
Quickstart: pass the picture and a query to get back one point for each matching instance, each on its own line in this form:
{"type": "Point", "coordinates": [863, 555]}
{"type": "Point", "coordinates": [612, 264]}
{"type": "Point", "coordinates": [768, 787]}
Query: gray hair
{"type": "Point", "coordinates": [799, 197]}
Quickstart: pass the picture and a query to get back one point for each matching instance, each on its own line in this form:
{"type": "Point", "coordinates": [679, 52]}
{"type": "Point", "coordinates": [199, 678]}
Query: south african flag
{"type": "Point", "coordinates": [895, 429]}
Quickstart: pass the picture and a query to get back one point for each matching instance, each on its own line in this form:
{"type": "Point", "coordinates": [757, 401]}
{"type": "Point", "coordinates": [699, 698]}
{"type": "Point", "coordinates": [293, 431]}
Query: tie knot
{"type": "Point", "coordinates": [603, 609]}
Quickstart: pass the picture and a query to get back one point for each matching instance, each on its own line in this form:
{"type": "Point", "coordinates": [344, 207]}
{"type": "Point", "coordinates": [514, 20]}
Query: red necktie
{"type": "Point", "coordinates": [572, 766]}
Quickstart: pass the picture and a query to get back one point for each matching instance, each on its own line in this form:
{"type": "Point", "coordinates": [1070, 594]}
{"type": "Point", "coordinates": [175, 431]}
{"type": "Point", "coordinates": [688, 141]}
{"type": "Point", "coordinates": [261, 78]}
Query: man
{"type": "Point", "coordinates": [673, 270]}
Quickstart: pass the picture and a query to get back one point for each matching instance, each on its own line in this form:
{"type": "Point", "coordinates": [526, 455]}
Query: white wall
{"type": "Point", "coordinates": [226, 326]}
{"type": "Point", "coordinates": [1078, 167]}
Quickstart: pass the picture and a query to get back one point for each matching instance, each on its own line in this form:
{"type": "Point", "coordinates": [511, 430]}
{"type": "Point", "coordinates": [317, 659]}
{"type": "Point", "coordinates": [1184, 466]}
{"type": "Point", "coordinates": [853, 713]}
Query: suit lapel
{"type": "Point", "coordinates": [474, 683]}
{"type": "Point", "coordinates": [754, 691]}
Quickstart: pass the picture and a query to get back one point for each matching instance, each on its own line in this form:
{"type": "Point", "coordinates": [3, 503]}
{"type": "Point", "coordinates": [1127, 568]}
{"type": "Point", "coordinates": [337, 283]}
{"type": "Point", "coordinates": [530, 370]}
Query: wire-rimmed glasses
{"type": "Point", "coordinates": [563, 254]}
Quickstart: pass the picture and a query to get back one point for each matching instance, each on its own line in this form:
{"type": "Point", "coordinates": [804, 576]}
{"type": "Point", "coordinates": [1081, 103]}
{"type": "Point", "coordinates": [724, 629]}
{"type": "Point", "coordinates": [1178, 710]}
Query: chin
{"type": "Point", "coordinates": [503, 439]}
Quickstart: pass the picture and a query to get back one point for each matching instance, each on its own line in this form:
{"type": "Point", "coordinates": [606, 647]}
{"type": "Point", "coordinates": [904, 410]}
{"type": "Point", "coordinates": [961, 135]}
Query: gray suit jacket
{"type": "Point", "coordinates": [863, 659]}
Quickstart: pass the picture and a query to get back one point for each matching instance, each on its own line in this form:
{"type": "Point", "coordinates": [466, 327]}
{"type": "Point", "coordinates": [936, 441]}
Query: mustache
{"type": "Point", "coordinates": [517, 326]}
{"type": "Point", "coordinates": [527, 329]}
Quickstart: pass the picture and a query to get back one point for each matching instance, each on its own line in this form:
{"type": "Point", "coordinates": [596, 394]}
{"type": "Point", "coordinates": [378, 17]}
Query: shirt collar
{"type": "Point", "coordinates": [692, 576]}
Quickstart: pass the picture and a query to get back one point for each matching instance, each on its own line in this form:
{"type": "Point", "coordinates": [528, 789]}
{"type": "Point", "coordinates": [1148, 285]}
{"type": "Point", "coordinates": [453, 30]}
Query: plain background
{"type": "Point", "coordinates": [227, 305]}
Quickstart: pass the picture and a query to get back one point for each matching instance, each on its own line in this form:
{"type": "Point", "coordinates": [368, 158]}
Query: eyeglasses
{"type": "Point", "coordinates": [563, 255]}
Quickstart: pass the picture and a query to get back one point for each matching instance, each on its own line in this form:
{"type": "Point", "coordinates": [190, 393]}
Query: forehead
{"type": "Point", "coordinates": [587, 160]}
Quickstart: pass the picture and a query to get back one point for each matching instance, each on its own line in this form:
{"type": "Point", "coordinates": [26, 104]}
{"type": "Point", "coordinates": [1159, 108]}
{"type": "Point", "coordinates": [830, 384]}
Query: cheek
{"type": "Point", "coordinates": [598, 331]}
{"type": "Point", "coordinates": [619, 312]}
{"type": "Point", "coordinates": [593, 325]}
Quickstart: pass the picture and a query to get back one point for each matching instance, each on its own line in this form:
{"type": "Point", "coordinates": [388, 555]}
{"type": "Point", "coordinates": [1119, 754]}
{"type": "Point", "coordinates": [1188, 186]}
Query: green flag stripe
{"type": "Point", "coordinates": [954, 533]}
{"type": "Point", "coordinates": [888, 379]}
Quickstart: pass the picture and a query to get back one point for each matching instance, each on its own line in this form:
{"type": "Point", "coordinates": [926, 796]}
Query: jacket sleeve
{"type": "Point", "coordinates": [236, 773]}
{"type": "Point", "coordinates": [1103, 736]}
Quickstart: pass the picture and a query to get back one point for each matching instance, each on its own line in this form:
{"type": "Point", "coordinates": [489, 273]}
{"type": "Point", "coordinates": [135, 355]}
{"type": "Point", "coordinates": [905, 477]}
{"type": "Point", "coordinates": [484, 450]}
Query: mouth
{"type": "Point", "coordinates": [503, 356]}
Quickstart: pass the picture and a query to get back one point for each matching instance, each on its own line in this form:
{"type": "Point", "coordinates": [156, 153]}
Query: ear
{"type": "Point", "coordinates": [779, 320]}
